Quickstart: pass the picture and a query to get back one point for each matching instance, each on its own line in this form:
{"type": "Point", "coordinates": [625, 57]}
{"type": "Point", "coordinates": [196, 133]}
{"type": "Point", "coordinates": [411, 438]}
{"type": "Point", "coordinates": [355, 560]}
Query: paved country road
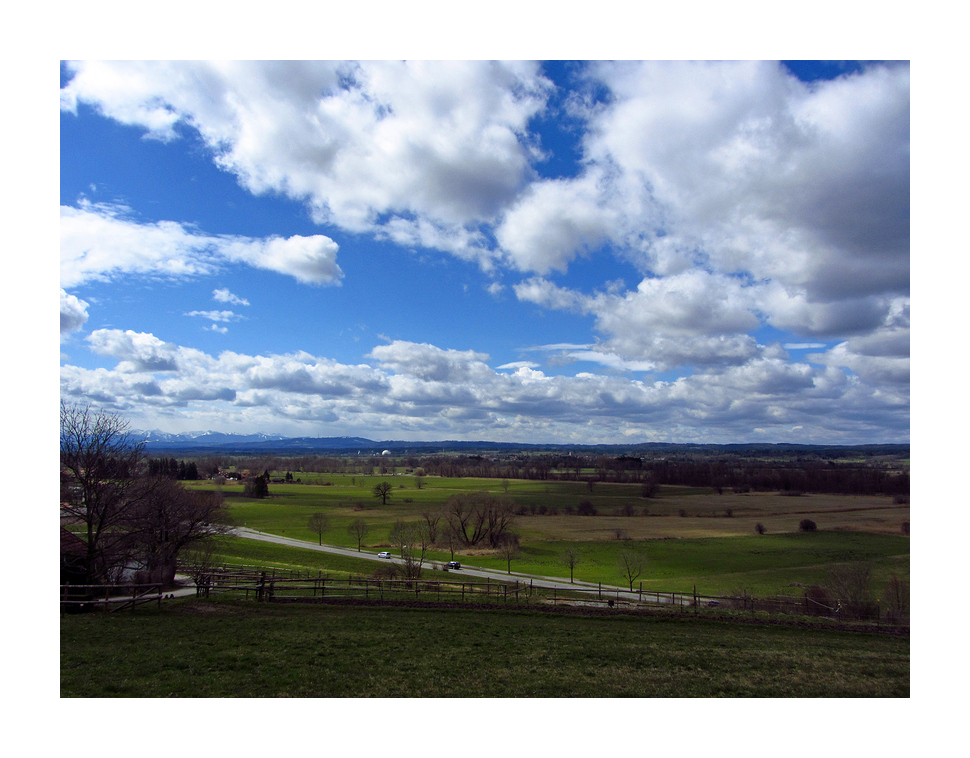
{"type": "Point", "coordinates": [549, 582]}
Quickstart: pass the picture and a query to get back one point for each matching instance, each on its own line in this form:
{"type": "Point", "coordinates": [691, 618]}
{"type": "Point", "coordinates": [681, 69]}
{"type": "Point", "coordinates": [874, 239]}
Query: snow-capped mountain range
{"type": "Point", "coordinates": [157, 440]}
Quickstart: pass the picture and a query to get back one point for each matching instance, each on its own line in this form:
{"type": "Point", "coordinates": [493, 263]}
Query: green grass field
{"type": "Point", "coordinates": [705, 547]}
{"type": "Point", "coordinates": [767, 565]}
{"type": "Point", "coordinates": [705, 513]}
{"type": "Point", "coordinates": [762, 565]}
{"type": "Point", "coordinates": [225, 648]}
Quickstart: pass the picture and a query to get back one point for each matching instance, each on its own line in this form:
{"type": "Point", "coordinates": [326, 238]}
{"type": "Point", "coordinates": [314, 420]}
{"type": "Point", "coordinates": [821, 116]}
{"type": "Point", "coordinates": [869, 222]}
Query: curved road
{"type": "Point", "coordinates": [548, 582]}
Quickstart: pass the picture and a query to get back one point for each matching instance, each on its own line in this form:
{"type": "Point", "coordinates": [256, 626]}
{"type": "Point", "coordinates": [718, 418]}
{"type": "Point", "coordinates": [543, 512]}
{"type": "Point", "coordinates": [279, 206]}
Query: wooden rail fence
{"type": "Point", "coordinates": [267, 588]}
{"type": "Point", "coordinates": [109, 597]}
{"type": "Point", "coordinates": [275, 585]}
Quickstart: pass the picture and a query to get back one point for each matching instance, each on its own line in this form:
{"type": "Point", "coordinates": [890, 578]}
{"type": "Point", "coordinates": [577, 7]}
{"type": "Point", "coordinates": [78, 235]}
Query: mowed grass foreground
{"type": "Point", "coordinates": [228, 648]}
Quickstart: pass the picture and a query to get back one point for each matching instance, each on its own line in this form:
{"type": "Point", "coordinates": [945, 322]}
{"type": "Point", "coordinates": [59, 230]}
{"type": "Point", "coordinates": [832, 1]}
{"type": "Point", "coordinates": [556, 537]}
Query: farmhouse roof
{"type": "Point", "coordinates": [72, 545]}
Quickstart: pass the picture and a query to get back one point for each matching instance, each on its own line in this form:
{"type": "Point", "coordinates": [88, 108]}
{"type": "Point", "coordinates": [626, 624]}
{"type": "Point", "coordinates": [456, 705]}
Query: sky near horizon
{"type": "Point", "coordinates": [586, 252]}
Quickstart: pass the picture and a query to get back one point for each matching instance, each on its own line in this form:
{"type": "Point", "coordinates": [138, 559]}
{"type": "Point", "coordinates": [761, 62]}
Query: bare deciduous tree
{"type": "Point", "coordinates": [411, 539]}
{"type": "Point", "coordinates": [431, 522]}
{"type": "Point", "coordinates": [649, 486]}
{"type": "Point", "coordinates": [632, 563]}
{"type": "Point", "coordinates": [131, 519]}
{"type": "Point", "coordinates": [851, 584]}
{"type": "Point", "coordinates": [358, 529]}
{"type": "Point", "coordinates": [318, 524]}
{"type": "Point", "coordinates": [479, 517]}
{"type": "Point", "coordinates": [165, 520]}
{"type": "Point", "coordinates": [201, 557]}
{"type": "Point", "coordinates": [570, 557]}
{"type": "Point", "coordinates": [383, 491]}
{"type": "Point", "coordinates": [100, 463]}
{"type": "Point", "coordinates": [509, 548]}
{"type": "Point", "coordinates": [451, 539]}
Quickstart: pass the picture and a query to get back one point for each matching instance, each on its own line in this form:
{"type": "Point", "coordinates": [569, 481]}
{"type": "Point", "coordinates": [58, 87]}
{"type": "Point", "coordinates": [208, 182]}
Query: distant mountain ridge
{"type": "Point", "coordinates": [155, 436]}
{"type": "Point", "coordinates": [198, 442]}
{"type": "Point", "coordinates": [156, 440]}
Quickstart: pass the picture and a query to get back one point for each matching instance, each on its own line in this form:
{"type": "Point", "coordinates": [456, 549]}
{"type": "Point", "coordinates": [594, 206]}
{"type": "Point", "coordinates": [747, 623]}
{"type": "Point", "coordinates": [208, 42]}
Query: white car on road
{"type": "Point", "coordinates": [384, 555]}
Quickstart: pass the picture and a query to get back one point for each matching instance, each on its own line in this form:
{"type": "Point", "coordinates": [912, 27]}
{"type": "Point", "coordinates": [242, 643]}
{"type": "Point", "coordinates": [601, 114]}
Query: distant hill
{"type": "Point", "coordinates": [259, 442]}
{"type": "Point", "coordinates": [219, 442]}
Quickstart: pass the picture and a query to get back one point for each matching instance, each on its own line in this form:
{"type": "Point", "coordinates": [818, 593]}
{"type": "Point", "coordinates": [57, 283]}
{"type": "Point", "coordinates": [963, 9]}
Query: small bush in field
{"type": "Point", "coordinates": [386, 571]}
{"type": "Point", "coordinates": [818, 601]}
{"type": "Point", "coordinates": [760, 528]}
{"type": "Point", "coordinates": [807, 525]}
{"type": "Point", "coordinates": [586, 508]}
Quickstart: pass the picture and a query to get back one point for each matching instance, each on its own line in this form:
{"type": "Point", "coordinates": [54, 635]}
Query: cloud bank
{"type": "Point", "coordinates": [431, 392]}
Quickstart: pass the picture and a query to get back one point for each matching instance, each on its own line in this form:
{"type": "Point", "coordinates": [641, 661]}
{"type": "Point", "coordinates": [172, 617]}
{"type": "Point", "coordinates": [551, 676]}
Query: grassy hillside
{"type": "Point", "coordinates": [235, 649]}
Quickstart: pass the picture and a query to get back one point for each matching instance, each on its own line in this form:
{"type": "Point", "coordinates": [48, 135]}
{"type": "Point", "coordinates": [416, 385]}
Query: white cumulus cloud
{"type": "Point", "coordinates": [74, 313]}
{"type": "Point", "coordinates": [100, 242]}
{"type": "Point", "coordinates": [421, 149]}
{"type": "Point", "coordinates": [225, 296]}
{"type": "Point", "coordinates": [742, 169]}
{"type": "Point", "coordinates": [216, 315]}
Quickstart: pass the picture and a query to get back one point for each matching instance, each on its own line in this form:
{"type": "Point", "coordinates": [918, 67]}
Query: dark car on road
{"type": "Point", "coordinates": [453, 565]}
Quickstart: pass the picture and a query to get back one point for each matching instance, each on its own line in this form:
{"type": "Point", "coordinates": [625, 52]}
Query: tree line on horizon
{"type": "Point", "coordinates": [874, 476]}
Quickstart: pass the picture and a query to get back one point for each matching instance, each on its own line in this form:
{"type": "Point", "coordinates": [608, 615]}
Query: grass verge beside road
{"type": "Point", "coordinates": [765, 565]}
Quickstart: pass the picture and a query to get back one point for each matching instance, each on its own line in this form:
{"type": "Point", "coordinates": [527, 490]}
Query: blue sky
{"type": "Point", "coordinates": [538, 252]}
